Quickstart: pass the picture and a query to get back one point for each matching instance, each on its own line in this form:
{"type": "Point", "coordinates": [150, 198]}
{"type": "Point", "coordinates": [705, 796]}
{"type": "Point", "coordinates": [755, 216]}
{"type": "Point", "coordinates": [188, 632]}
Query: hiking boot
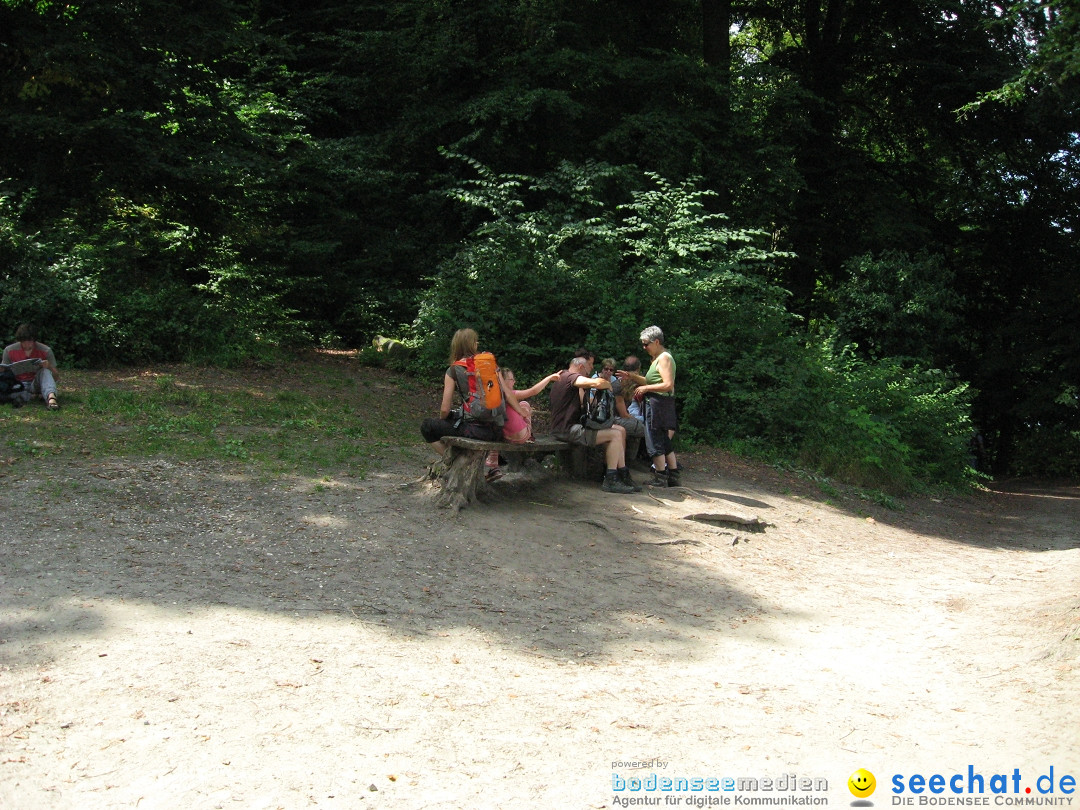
{"type": "Point", "coordinates": [660, 478]}
{"type": "Point", "coordinates": [613, 484]}
{"type": "Point", "coordinates": [624, 476]}
{"type": "Point", "coordinates": [674, 477]}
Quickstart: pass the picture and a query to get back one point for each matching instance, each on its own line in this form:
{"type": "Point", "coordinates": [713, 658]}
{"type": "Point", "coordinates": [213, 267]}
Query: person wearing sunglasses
{"type": "Point", "coordinates": [657, 387]}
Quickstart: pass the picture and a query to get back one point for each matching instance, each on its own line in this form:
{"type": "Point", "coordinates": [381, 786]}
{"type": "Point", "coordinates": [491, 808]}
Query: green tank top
{"type": "Point", "coordinates": [652, 376]}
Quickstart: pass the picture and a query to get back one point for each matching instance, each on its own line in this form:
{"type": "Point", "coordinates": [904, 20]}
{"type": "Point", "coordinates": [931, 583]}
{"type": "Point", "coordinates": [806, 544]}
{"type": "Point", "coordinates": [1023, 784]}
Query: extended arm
{"type": "Point", "coordinates": [592, 382]}
{"type": "Point", "coordinates": [536, 389]}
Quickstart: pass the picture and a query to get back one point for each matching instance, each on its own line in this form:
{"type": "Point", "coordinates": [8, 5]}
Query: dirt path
{"type": "Point", "coordinates": [182, 635]}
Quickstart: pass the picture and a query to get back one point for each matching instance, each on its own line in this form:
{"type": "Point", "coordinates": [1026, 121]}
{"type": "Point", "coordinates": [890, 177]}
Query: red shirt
{"type": "Point", "coordinates": [14, 353]}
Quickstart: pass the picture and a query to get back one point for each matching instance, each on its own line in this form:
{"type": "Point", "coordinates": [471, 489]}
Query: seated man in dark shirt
{"type": "Point", "coordinates": [566, 409]}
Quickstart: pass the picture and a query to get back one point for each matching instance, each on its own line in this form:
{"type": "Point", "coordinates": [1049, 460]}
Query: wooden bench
{"type": "Point", "coordinates": [463, 475]}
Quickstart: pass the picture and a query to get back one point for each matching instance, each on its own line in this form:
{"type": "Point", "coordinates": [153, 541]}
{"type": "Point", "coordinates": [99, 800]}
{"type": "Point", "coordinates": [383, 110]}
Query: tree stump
{"type": "Point", "coordinates": [463, 478]}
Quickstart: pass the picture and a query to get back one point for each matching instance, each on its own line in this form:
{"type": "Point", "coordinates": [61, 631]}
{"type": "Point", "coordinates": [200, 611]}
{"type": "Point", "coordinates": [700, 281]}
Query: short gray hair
{"type": "Point", "coordinates": [579, 361]}
{"type": "Point", "coordinates": [651, 333]}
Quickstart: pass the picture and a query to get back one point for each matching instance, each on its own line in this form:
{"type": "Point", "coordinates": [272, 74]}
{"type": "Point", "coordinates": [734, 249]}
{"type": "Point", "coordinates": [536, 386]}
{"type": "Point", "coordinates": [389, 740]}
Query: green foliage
{"type": "Point", "coordinates": [887, 427]}
{"type": "Point", "coordinates": [1054, 30]}
{"type": "Point", "coordinates": [208, 180]}
{"type": "Point", "coordinates": [127, 292]}
{"type": "Point", "coordinates": [47, 285]}
{"type": "Point", "coordinates": [898, 306]}
{"type": "Point", "coordinates": [1048, 450]}
{"type": "Point", "coordinates": [557, 267]}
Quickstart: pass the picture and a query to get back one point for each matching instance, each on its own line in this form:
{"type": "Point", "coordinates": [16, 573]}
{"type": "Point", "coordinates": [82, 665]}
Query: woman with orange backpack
{"type": "Point", "coordinates": [472, 377]}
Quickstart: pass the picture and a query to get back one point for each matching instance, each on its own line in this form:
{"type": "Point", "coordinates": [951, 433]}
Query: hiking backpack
{"type": "Point", "coordinates": [10, 387]}
{"type": "Point", "coordinates": [481, 396]}
{"type": "Point", "coordinates": [599, 410]}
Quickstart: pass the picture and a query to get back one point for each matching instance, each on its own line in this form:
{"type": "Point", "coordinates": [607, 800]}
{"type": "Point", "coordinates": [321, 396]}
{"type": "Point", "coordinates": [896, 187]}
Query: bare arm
{"type": "Point", "coordinates": [512, 401]}
{"type": "Point", "coordinates": [449, 385]}
{"type": "Point", "coordinates": [592, 382]}
{"type": "Point", "coordinates": [667, 377]}
{"type": "Point", "coordinates": [536, 389]}
{"type": "Point", "coordinates": [630, 375]}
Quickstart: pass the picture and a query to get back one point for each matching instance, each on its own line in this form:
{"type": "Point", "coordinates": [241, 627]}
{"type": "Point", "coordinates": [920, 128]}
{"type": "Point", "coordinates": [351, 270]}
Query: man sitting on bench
{"type": "Point", "coordinates": [566, 409]}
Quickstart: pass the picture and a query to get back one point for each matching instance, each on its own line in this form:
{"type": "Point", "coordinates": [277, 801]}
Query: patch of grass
{"type": "Point", "coordinates": [881, 499]}
{"type": "Point", "coordinates": [318, 420]}
{"type": "Point", "coordinates": [823, 483]}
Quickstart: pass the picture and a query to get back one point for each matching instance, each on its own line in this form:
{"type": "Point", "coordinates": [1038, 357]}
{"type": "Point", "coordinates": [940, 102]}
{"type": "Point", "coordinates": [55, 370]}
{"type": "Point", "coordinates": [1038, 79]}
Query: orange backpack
{"type": "Point", "coordinates": [478, 384]}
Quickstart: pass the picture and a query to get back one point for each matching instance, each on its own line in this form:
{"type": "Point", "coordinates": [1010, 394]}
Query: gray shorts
{"type": "Point", "coordinates": [578, 434]}
{"type": "Point", "coordinates": [633, 427]}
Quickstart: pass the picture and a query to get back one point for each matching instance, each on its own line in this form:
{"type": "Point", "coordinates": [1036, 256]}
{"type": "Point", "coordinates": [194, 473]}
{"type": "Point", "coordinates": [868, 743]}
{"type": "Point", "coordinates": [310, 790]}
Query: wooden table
{"type": "Point", "coordinates": [463, 476]}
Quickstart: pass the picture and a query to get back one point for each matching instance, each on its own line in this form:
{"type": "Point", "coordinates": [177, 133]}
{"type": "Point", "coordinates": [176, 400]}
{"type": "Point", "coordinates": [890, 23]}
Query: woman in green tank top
{"type": "Point", "coordinates": [658, 387]}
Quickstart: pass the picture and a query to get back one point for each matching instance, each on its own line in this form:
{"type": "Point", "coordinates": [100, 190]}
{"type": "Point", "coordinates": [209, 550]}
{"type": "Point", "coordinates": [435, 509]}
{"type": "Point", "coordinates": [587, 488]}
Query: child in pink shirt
{"type": "Point", "coordinates": [518, 427]}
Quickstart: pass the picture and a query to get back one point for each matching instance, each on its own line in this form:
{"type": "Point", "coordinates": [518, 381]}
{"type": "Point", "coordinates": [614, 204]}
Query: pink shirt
{"type": "Point", "coordinates": [514, 423]}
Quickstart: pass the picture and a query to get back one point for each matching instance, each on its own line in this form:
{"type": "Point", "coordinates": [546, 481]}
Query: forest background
{"type": "Point", "coordinates": [854, 219]}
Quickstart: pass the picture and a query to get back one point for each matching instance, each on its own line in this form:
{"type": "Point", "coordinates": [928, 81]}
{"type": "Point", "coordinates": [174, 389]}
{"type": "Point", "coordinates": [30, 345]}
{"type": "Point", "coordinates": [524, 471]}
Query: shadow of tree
{"type": "Point", "coordinates": [560, 570]}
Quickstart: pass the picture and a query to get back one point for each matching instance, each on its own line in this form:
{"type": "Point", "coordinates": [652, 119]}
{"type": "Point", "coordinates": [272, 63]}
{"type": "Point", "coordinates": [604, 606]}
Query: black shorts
{"type": "Point", "coordinates": [434, 429]}
{"type": "Point", "coordinates": [660, 417]}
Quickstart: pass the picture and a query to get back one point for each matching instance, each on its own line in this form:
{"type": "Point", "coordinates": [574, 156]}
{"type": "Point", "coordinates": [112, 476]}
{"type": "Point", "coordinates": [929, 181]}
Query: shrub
{"type": "Point", "coordinates": [132, 288]}
{"type": "Point", "coordinates": [592, 254]}
{"type": "Point", "coordinates": [895, 305]}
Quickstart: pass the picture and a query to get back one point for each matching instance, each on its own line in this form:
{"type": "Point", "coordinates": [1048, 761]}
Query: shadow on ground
{"type": "Point", "coordinates": [557, 569]}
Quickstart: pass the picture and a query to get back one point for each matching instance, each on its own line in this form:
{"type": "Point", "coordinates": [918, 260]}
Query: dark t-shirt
{"type": "Point", "coordinates": [565, 402]}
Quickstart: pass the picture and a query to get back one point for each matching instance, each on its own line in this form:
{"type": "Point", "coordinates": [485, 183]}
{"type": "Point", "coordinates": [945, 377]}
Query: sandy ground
{"type": "Point", "coordinates": [187, 635]}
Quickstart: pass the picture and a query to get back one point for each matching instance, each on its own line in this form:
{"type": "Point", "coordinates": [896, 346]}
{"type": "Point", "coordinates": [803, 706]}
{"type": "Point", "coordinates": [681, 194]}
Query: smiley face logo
{"type": "Point", "coordinates": [861, 783]}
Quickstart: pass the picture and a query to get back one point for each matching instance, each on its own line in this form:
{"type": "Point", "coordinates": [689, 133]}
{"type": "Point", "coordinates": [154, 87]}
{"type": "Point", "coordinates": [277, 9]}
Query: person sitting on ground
{"type": "Point", "coordinates": [464, 344]}
{"type": "Point", "coordinates": [42, 380]}
{"type": "Point", "coordinates": [566, 409]}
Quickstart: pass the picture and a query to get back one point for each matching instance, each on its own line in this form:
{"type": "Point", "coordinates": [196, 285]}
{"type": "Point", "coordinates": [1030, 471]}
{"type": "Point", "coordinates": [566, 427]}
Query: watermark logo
{"type": "Point", "coordinates": [861, 783]}
{"type": "Point", "coordinates": [709, 790]}
{"type": "Point", "coordinates": [975, 788]}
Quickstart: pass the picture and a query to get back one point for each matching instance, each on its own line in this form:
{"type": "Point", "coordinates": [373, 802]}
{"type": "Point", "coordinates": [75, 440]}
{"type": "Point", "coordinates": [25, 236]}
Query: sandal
{"type": "Point", "coordinates": [51, 403]}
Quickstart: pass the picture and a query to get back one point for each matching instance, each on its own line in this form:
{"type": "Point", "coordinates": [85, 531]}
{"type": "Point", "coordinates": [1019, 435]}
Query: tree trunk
{"type": "Point", "coordinates": [716, 35]}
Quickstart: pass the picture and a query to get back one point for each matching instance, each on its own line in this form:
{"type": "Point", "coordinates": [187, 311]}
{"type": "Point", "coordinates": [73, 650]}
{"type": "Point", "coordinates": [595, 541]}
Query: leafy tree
{"type": "Point", "coordinates": [902, 307]}
{"type": "Point", "coordinates": [559, 264]}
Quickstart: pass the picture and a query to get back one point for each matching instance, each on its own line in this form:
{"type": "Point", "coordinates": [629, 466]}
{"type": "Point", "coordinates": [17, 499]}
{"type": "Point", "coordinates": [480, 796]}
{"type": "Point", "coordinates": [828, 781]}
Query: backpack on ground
{"type": "Point", "coordinates": [481, 395]}
{"type": "Point", "coordinates": [599, 412]}
{"type": "Point", "coordinates": [10, 388]}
